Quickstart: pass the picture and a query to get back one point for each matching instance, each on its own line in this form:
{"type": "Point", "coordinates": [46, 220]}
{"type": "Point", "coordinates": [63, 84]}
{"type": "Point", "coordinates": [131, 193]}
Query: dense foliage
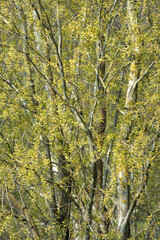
{"type": "Point", "coordinates": [79, 119]}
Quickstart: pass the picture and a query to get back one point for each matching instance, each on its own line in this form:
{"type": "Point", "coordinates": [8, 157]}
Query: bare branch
{"type": "Point", "coordinates": [146, 72]}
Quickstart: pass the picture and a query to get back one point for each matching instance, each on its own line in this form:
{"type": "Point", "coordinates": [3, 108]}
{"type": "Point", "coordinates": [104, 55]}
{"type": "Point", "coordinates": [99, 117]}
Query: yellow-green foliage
{"type": "Point", "coordinates": [49, 135]}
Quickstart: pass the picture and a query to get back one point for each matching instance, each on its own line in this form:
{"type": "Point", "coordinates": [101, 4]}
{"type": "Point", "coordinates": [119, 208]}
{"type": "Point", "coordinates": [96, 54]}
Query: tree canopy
{"type": "Point", "coordinates": [79, 119]}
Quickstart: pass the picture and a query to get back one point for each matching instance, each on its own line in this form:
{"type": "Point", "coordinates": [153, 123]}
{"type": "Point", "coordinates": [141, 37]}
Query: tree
{"type": "Point", "coordinates": [79, 119]}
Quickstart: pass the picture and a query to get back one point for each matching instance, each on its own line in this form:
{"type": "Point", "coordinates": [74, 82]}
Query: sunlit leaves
{"type": "Point", "coordinates": [38, 124]}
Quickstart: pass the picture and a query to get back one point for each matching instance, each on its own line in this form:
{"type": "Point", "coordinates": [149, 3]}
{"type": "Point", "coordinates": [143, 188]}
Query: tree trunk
{"type": "Point", "coordinates": [123, 174]}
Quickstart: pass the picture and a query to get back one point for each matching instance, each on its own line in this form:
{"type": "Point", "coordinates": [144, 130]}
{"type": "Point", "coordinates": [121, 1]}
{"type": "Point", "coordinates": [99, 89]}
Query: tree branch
{"type": "Point", "coordinates": [24, 212]}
